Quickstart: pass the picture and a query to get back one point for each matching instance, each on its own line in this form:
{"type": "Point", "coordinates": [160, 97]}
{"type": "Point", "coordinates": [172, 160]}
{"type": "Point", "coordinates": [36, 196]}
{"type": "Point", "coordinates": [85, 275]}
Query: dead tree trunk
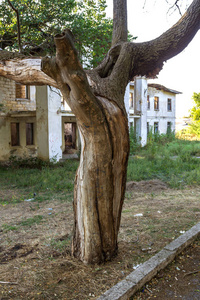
{"type": "Point", "coordinates": [96, 98]}
{"type": "Point", "coordinates": [101, 176]}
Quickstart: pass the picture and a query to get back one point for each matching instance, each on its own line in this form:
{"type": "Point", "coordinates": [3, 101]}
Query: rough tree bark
{"type": "Point", "coordinates": [96, 97]}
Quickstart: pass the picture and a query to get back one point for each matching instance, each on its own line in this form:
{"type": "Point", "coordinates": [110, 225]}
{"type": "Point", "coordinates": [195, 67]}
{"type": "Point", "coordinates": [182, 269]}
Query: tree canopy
{"type": "Point", "coordinates": [195, 111]}
{"type": "Point", "coordinates": [41, 20]}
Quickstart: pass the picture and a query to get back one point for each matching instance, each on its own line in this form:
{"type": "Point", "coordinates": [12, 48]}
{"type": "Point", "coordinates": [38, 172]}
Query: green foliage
{"type": "Point", "coordinates": [195, 111]}
{"type": "Point", "coordinates": [61, 245]}
{"type": "Point", "coordinates": [166, 158]}
{"type": "Point", "coordinates": [46, 180]}
{"type": "Point", "coordinates": [41, 20]}
{"type": "Point", "coordinates": [133, 140]}
{"type": "Point", "coordinates": [27, 223]}
{"type": "Point", "coordinates": [31, 221]}
{"type": "Point", "coordinates": [2, 107]}
{"type": "Point", "coordinates": [193, 130]}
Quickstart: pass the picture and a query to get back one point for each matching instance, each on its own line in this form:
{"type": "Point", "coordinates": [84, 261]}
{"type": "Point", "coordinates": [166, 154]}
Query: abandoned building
{"type": "Point", "coordinates": [150, 107]}
{"type": "Point", "coordinates": [36, 122]}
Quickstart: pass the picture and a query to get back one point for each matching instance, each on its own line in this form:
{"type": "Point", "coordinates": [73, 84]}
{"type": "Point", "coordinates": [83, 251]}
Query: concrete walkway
{"type": "Point", "coordinates": [137, 279]}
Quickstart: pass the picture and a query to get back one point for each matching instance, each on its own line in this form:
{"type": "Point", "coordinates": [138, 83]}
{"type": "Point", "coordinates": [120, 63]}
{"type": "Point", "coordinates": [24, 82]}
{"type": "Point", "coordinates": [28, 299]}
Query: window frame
{"type": "Point", "coordinates": [169, 127]}
{"type": "Point", "coordinates": [131, 99]}
{"type": "Point", "coordinates": [27, 91]}
{"type": "Point", "coordinates": [169, 103]}
{"type": "Point", "coordinates": [156, 103]}
{"type": "Point", "coordinates": [148, 103]}
{"type": "Point", "coordinates": [17, 137]}
{"type": "Point", "coordinates": [148, 128]}
{"type": "Point", "coordinates": [31, 137]}
{"type": "Point", "coordinates": [156, 127]}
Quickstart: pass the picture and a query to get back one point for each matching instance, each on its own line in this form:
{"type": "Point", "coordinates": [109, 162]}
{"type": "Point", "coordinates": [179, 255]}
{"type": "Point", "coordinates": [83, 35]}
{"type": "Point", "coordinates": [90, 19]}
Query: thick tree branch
{"type": "Point", "coordinates": [26, 71]}
{"type": "Point", "coordinates": [120, 31]}
{"type": "Point", "coordinates": [150, 56]}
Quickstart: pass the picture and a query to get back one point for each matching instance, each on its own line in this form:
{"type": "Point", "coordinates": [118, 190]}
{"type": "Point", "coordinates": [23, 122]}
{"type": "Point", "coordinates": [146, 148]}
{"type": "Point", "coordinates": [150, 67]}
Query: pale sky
{"type": "Point", "coordinates": [181, 73]}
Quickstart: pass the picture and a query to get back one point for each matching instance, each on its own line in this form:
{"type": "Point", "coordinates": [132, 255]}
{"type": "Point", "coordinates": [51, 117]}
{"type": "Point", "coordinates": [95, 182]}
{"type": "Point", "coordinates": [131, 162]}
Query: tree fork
{"type": "Point", "coordinates": [101, 176]}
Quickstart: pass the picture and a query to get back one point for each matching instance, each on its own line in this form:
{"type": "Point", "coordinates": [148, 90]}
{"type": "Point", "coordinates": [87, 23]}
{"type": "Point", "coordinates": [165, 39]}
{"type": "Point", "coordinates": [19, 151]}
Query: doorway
{"type": "Point", "coordinates": [70, 137]}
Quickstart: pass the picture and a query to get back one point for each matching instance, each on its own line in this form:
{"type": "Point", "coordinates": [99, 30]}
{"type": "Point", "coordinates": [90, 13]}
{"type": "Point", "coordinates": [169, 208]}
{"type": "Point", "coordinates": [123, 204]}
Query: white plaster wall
{"type": "Point", "coordinates": [49, 123]}
{"type": "Point", "coordinates": [140, 106]}
{"type": "Point", "coordinates": [162, 116]}
{"type": "Point", "coordinates": [33, 93]}
{"type": "Point", "coordinates": [54, 124]}
{"type": "Point", "coordinates": [126, 99]}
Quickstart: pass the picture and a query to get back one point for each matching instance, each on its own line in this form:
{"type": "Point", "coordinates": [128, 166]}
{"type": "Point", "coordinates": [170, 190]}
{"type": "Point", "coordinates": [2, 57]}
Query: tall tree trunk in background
{"type": "Point", "coordinates": [96, 97]}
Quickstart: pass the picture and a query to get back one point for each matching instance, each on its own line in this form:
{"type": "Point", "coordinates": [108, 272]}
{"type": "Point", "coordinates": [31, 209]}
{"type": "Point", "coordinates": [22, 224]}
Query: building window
{"type": "Point", "coordinates": [156, 103]}
{"type": "Point", "coordinates": [131, 124]}
{"type": "Point", "coordinates": [21, 91]}
{"type": "Point", "coordinates": [148, 102]}
{"type": "Point", "coordinates": [70, 137]}
{"type": "Point", "coordinates": [15, 134]}
{"type": "Point", "coordinates": [29, 134]}
{"type": "Point", "coordinates": [169, 104]}
{"type": "Point", "coordinates": [147, 127]}
{"type": "Point", "coordinates": [169, 127]}
{"type": "Point", "coordinates": [130, 99]}
{"type": "Point", "coordinates": [155, 127]}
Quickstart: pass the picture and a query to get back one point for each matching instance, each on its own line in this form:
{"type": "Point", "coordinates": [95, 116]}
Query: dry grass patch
{"type": "Point", "coordinates": [35, 242]}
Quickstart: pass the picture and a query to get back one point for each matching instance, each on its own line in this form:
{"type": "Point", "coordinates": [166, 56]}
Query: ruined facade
{"type": "Point", "coordinates": [151, 107]}
{"type": "Point", "coordinates": [36, 122]}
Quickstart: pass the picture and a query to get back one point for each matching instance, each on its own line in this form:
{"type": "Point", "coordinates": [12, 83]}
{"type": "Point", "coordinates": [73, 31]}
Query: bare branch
{"type": "Point", "coordinates": [152, 54]}
{"type": "Point", "coordinates": [175, 6]}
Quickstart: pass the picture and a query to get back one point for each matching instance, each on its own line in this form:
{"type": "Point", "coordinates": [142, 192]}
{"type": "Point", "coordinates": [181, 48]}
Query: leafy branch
{"type": "Point", "coordinates": [18, 25]}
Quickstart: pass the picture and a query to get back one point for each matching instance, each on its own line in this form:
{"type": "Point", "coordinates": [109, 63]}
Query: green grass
{"type": "Point", "coordinates": [46, 181]}
{"type": "Point", "coordinates": [172, 161]}
{"type": "Point", "coordinates": [165, 157]}
{"type": "Point", "coordinates": [26, 223]}
{"type": "Point", "coordinates": [31, 221]}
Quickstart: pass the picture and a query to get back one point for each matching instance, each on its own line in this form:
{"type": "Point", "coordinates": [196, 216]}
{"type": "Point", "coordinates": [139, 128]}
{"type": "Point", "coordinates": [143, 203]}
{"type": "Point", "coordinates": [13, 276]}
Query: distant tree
{"type": "Point", "coordinates": [194, 126]}
{"type": "Point", "coordinates": [39, 23]}
{"type": "Point", "coordinates": [195, 111]}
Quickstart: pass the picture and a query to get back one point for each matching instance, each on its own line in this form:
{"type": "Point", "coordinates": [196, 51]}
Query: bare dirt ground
{"type": "Point", "coordinates": [179, 280]}
{"type": "Point", "coordinates": [35, 261]}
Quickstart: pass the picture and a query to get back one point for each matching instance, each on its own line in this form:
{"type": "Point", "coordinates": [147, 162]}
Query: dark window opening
{"type": "Point", "coordinates": [130, 100]}
{"type": "Point", "coordinates": [148, 102]}
{"type": "Point", "coordinates": [21, 91]}
{"type": "Point", "coordinates": [169, 127]}
{"type": "Point", "coordinates": [15, 134]}
{"type": "Point", "coordinates": [169, 104]}
{"type": "Point", "coordinates": [29, 134]}
{"type": "Point", "coordinates": [147, 127]}
{"type": "Point", "coordinates": [156, 103]}
{"type": "Point", "coordinates": [70, 137]}
{"type": "Point", "coordinates": [155, 127]}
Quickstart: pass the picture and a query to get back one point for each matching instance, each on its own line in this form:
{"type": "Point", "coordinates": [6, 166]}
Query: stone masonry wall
{"type": "Point", "coordinates": [8, 97]}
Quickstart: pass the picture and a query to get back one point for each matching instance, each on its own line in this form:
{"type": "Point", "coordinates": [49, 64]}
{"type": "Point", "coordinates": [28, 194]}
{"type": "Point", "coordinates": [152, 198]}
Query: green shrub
{"type": "Point", "coordinates": [134, 144]}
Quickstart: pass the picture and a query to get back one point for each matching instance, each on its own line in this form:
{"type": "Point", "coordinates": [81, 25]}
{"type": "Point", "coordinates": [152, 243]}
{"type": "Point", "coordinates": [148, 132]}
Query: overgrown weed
{"type": "Point", "coordinates": [167, 158]}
